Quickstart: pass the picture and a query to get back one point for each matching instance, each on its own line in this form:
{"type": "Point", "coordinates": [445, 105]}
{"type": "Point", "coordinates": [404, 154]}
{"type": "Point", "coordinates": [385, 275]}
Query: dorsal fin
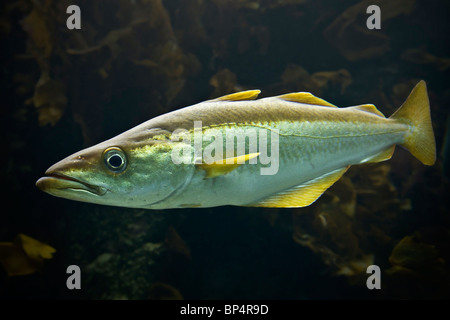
{"type": "Point", "coordinates": [304, 194]}
{"type": "Point", "coordinates": [238, 96]}
{"type": "Point", "coordinates": [369, 108]}
{"type": "Point", "coordinates": [307, 98]}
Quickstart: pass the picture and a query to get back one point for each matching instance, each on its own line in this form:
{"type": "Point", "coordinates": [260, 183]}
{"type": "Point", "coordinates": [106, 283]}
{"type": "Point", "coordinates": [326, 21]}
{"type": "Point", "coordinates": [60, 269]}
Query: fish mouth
{"type": "Point", "coordinates": [54, 183]}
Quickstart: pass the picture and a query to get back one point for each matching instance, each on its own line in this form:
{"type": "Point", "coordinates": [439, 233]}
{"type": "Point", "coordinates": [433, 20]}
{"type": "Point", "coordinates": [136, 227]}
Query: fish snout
{"type": "Point", "coordinates": [59, 178]}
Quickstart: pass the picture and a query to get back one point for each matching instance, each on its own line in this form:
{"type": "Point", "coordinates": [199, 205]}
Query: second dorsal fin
{"type": "Point", "coordinates": [307, 98]}
{"type": "Point", "coordinates": [238, 96]}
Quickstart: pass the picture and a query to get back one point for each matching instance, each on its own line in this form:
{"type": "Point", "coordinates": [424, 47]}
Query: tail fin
{"type": "Point", "coordinates": [416, 112]}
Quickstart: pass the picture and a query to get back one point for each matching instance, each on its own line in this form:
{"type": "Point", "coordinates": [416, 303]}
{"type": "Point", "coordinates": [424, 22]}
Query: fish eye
{"type": "Point", "coordinates": [115, 159]}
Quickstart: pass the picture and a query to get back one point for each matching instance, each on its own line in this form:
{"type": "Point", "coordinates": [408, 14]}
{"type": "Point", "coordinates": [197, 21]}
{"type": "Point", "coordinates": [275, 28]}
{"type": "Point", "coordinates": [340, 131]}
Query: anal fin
{"type": "Point", "coordinates": [384, 155]}
{"type": "Point", "coordinates": [302, 195]}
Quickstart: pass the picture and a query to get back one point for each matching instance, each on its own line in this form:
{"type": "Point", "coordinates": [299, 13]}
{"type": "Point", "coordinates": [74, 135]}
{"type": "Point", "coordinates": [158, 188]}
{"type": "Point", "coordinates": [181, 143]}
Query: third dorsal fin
{"type": "Point", "coordinates": [307, 98]}
{"type": "Point", "coordinates": [238, 96]}
{"type": "Point", "coordinates": [369, 108]}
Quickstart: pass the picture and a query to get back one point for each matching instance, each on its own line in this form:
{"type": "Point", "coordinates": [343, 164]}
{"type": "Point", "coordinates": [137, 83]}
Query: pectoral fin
{"type": "Point", "coordinates": [226, 165]}
{"type": "Point", "coordinates": [304, 194]}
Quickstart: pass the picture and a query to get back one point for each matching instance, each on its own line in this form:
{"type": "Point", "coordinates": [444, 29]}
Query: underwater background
{"type": "Point", "coordinates": [63, 90]}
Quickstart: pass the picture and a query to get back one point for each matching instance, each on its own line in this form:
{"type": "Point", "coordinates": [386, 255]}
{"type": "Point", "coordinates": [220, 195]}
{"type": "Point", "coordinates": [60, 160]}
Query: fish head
{"type": "Point", "coordinates": [117, 173]}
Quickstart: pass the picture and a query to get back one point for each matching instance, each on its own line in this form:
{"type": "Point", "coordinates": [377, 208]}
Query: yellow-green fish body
{"type": "Point", "coordinates": [286, 152]}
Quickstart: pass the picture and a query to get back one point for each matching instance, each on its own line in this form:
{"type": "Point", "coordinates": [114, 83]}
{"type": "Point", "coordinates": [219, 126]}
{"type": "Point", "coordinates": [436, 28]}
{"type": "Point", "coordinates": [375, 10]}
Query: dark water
{"type": "Point", "coordinates": [64, 90]}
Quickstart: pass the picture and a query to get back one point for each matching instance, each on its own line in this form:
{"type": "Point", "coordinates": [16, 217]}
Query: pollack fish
{"type": "Point", "coordinates": [161, 163]}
